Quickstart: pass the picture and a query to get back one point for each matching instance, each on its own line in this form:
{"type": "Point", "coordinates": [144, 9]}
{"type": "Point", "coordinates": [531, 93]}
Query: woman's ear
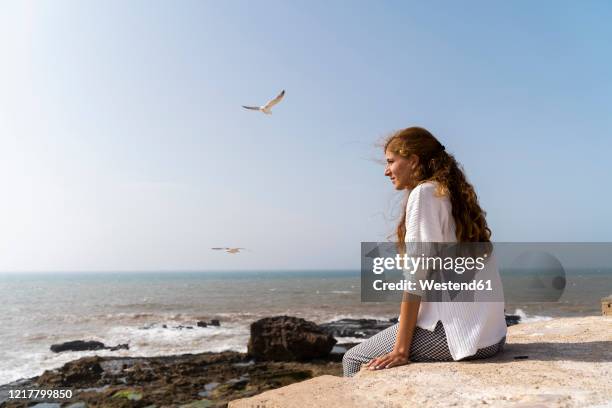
{"type": "Point", "coordinates": [414, 161]}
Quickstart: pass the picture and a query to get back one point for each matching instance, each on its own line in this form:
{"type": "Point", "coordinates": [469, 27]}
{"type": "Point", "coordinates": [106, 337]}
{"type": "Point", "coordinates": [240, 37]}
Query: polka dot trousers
{"type": "Point", "coordinates": [426, 346]}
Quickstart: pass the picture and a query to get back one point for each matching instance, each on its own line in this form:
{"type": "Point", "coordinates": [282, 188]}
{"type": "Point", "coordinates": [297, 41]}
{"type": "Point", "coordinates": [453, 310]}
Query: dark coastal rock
{"type": "Point", "coordinates": [359, 328]}
{"type": "Point", "coordinates": [512, 320]}
{"type": "Point", "coordinates": [82, 345]}
{"type": "Point", "coordinates": [82, 372]}
{"type": "Point", "coordinates": [77, 345]}
{"type": "Point", "coordinates": [205, 379]}
{"type": "Point", "coordinates": [124, 346]}
{"type": "Point", "coordinates": [213, 322]}
{"type": "Point", "coordinates": [286, 338]}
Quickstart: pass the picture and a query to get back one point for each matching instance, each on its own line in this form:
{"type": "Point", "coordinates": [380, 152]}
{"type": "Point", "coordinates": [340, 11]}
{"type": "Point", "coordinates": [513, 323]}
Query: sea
{"type": "Point", "coordinates": [147, 309]}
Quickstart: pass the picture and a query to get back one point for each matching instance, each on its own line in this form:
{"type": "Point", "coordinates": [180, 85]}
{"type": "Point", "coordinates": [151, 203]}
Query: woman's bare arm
{"type": "Point", "coordinates": [409, 311]}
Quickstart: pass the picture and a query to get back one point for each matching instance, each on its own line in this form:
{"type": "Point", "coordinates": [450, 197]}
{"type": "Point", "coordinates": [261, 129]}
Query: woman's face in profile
{"type": "Point", "coordinates": [400, 169]}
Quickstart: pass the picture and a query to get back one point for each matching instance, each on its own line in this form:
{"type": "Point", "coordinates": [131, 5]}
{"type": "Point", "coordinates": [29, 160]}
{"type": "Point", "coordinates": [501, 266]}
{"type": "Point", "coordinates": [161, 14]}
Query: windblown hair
{"type": "Point", "coordinates": [435, 164]}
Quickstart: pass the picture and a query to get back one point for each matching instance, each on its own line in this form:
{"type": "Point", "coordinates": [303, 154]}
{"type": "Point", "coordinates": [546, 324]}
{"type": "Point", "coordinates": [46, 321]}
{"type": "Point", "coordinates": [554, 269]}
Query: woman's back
{"type": "Point", "coordinates": [468, 325]}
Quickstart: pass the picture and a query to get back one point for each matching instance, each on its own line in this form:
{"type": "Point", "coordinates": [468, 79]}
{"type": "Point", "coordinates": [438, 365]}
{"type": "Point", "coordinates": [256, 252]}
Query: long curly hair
{"type": "Point", "coordinates": [436, 164]}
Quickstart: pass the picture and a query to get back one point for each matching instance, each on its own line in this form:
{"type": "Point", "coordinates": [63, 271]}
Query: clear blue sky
{"type": "Point", "coordinates": [123, 145]}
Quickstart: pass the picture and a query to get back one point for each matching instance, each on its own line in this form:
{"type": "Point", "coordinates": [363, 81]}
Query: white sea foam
{"type": "Point", "coordinates": [349, 340]}
{"type": "Point", "coordinates": [171, 340]}
{"type": "Point", "coordinates": [145, 342]}
{"type": "Point", "coordinates": [357, 316]}
{"type": "Point", "coordinates": [533, 318]}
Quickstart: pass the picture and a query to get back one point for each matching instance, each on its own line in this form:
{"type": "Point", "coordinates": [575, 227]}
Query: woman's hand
{"type": "Point", "coordinates": [393, 359]}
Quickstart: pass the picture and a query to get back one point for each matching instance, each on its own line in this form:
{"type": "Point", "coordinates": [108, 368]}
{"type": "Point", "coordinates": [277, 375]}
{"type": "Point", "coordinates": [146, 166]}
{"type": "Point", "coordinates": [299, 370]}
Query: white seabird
{"type": "Point", "coordinates": [229, 250]}
{"type": "Point", "coordinates": [267, 108]}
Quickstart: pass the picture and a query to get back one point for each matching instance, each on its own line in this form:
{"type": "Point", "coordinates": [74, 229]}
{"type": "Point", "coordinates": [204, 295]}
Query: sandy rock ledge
{"type": "Point", "coordinates": [569, 365]}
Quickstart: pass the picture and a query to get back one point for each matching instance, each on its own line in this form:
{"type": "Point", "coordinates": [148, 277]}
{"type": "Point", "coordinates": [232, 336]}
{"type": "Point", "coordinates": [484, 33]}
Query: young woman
{"type": "Point", "coordinates": [441, 207]}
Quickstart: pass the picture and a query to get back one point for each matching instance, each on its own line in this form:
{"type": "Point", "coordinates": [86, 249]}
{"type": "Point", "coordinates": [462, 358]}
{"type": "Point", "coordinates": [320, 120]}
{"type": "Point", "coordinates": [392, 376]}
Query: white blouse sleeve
{"type": "Point", "coordinates": [424, 224]}
{"type": "Point", "coordinates": [424, 215]}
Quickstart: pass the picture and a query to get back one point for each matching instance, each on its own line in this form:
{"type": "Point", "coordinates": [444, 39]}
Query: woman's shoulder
{"type": "Point", "coordinates": [427, 186]}
{"type": "Point", "coordinates": [427, 191]}
{"type": "Point", "coordinates": [429, 215]}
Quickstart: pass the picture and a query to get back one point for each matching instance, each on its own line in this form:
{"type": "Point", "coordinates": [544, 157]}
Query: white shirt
{"type": "Point", "coordinates": [468, 325]}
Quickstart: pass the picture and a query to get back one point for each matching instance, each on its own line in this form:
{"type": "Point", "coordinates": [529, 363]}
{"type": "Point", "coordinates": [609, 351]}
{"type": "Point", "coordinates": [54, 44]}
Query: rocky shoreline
{"type": "Point", "coordinates": [213, 379]}
{"type": "Point", "coordinates": [282, 350]}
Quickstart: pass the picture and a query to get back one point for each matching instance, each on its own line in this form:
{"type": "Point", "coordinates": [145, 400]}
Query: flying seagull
{"type": "Point", "coordinates": [229, 250]}
{"type": "Point", "coordinates": [267, 108]}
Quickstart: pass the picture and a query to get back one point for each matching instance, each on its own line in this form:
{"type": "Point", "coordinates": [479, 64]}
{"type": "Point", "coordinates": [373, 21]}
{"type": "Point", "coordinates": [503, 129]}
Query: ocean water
{"type": "Point", "coordinates": [43, 309]}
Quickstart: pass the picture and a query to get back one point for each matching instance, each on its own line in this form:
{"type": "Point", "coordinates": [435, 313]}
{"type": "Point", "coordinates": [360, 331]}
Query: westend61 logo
{"type": "Point", "coordinates": [483, 272]}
